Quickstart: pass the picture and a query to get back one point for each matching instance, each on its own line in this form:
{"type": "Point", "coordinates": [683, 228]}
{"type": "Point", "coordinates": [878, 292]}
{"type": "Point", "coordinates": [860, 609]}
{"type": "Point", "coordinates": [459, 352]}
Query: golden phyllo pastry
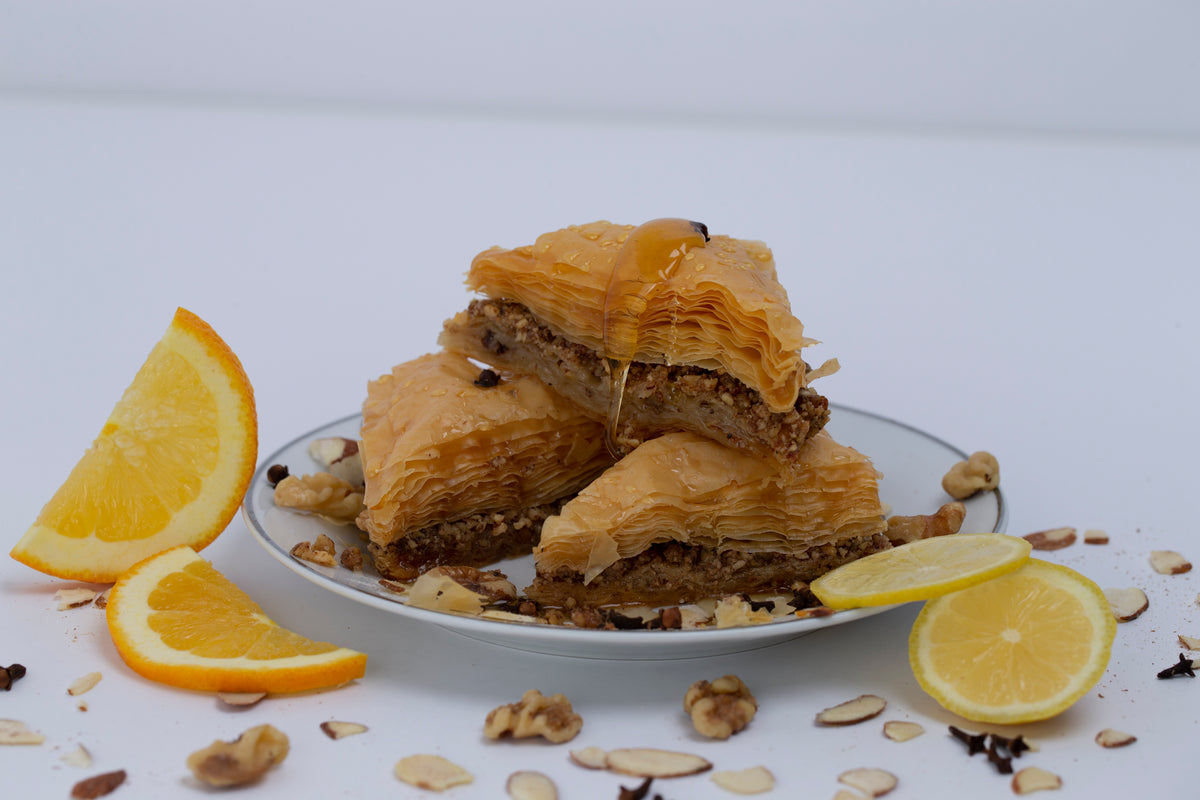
{"type": "Point", "coordinates": [462, 464]}
{"type": "Point", "coordinates": [682, 518]}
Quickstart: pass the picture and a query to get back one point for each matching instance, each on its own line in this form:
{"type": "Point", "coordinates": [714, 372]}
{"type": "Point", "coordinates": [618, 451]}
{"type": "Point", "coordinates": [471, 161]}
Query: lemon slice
{"type": "Point", "coordinates": [177, 620]}
{"type": "Point", "coordinates": [1020, 648]}
{"type": "Point", "coordinates": [169, 467]}
{"type": "Point", "coordinates": [920, 570]}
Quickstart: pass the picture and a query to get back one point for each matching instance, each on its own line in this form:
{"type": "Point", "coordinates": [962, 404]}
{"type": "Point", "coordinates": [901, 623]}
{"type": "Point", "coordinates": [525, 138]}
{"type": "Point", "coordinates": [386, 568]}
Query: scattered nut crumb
{"type": "Point", "coordinates": [735, 612]}
{"type": "Point", "coordinates": [1052, 539]}
{"type": "Point", "coordinates": [947, 520]}
{"type": "Point", "coordinates": [352, 558]}
{"type": "Point", "coordinates": [84, 684]}
{"type": "Point", "coordinates": [73, 598]}
{"type": "Point", "coordinates": [244, 760]}
{"type": "Point", "coordinates": [15, 732]}
{"type": "Point", "coordinates": [10, 675]}
{"type": "Point", "coordinates": [752, 780]}
{"type": "Point", "coordinates": [872, 782]}
{"type": "Point", "coordinates": [649, 762]}
{"type": "Point", "coordinates": [308, 551]}
{"type": "Point", "coordinates": [721, 708]}
{"type": "Point", "coordinates": [1114, 738]}
{"type": "Point", "coordinates": [101, 600]}
{"type": "Point", "coordinates": [590, 757]}
{"type": "Point", "coordinates": [1095, 536]}
{"type": "Point", "coordinates": [1169, 562]}
{"type": "Point", "coordinates": [81, 705]}
{"type": "Point", "coordinates": [241, 699]}
{"type": "Point", "coordinates": [530, 785]}
{"type": "Point", "coordinates": [551, 717]}
{"type": "Point", "coordinates": [1033, 779]}
{"type": "Point", "coordinates": [322, 494]}
{"type": "Point", "coordinates": [98, 785]}
{"type": "Point", "coordinates": [79, 757]}
{"type": "Point", "coordinates": [430, 772]}
{"type": "Point", "coordinates": [1127, 604]}
{"type": "Point", "coordinates": [1189, 642]}
{"type": "Point", "coordinates": [900, 731]}
{"type": "Point", "coordinates": [852, 712]}
{"type": "Point", "coordinates": [340, 730]}
{"type": "Point", "coordinates": [980, 472]}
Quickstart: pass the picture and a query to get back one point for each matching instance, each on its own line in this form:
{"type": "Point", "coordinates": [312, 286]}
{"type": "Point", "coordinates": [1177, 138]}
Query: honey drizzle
{"type": "Point", "coordinates": [647, 257]}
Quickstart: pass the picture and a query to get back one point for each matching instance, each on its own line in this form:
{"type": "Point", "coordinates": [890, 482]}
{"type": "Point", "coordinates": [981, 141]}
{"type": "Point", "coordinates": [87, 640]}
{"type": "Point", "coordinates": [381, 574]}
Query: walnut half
{"type": "Point", "coordinates": [245, 759]}
{"type": "Point", "coordinates": [980, 472]}
{"type": "Point", "coordinates": [721, 708]}
{"type": "Point", "coordinates": [946, 520]}
{"type": "Point", "coordinates": [325, 495]}
{"type": "Point", "coordinates": [551, 717]}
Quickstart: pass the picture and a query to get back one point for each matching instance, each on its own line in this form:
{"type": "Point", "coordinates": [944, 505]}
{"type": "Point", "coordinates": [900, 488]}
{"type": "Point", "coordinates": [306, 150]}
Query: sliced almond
{"type": "Point", "coordinates": [1114, 738]}
{"type": "Point", "coordinates": [1127, 604]}
{"type": "Point", "coordinates": [899, 731]}
{"type": "Point", "coordinates": [1095, 536]}
{"type": "Point", "coordinates": [241, 699]}
{"type": "Point", "coordinates": [852, 712]}
{"type": "Point", "coordinates": [73, 598]}
{"type": "Point", "coordinates": [1168, 562]}
{"type": "Point", "coordinates": [340, 730]}
{"type": "Point", "coordinates": [1052, 539]}
{"type": "Point", "coordinates": [98, 785]}
{"type": "Point", "coordinates": [1033, 779]}
{"type": "Point", "coordinates": [85, 684]}
{"type": "Point", "coordinates": [872, 782]}
{"type": "Point", "coordinates": [79, 757]}
{"type": "Point", "coordinates": [427, 771]}
{"type": "Point", "coordinates": [530, 785]}
{"type": "Point", "coordinates": [752, 780]}
{"type": "Point", "coordinates": [16, 732]}
{"type": "Point", "coordinates": [1189, 642]}
{"type": "Point", "coordinates": [590, 757]}
{"type": "Point", "coordinates": [649, 762]}
{"type": "Point", "coordinates": [846, 794]}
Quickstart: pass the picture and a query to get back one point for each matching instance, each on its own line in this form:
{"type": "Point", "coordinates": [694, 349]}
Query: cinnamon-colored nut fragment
{"type": "Point", "coordinates": [1094, 536]}
{"type": "Point", "coordinates": [980, 472]}
{"type": "Point", "coordinates": [352, 558]}
{"type": "Point", "coordinates": [241, 699]}
{"type": "Point", "coordinates": [551, 717]}
{"type": "Point", "coordinates": [73, 598]}
{"type": "Point", "coordinates": [530, 785]}
{"type": "Point", "coordinates": [752, 780]}
{"type": "Point", "coordinates": [1052, 539]}
{"type": "Point", "coordinates": [432, 772]}
{"type": "Point", "coordinates": [900, 731]}
{"type": "Point", "coordinates": [84, 684]}
{"type": "Point", "coordinates": [590, 757]}
{"type": "Point", "coordinates": [851, 712]}
{"type": "Point", "coordinates": [1169, 562]}
{"type": "Point", "coordinates": [245, 759]}
{"type": "Point", "coordinates": [649, 762]}
{"type": "Point", "coordinates": [1114, 738]}
{"type": "Point", "coordinates": [98, 785]}
{"type": "Point", "coordinates": [870, 781]}
{"type": "Point", "coordinates": [721, 708]}
{"type": "Point", "coordinates": [101, 600]}
{"type": "Point", "coordinates": [79, 757]}
{"type": "Point", "coordinates": [16, 732]}
{"type": "Point", "coordinates": [1127, 604]}
{"type": "Point", "coordinates": [340, 730]}
{"type": "Point", "coordinates": [1033, 779]}
{"type": "Point", "coordinates": [1189, 642]}
{"type": "Point", "coordinates": [947, 520]}
{"type": "Point", "coordinates": [306, 551]}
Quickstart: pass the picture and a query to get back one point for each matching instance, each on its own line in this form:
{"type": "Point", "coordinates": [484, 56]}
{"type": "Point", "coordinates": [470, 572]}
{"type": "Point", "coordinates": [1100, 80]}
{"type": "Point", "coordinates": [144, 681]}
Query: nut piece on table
{"type": "Point", "coordinates": [979, 473]}
{"type": "Point", "coordinates": [340, 730]}
{"type": "Point", "coordinates": [241, 699]}
{"type": "Point", "coordinates": [340, 457]}
{"type": "Point", "coordinates": [322, 494]}
{"type": "Point", "coordinates": [721, 708]}
{"type": "Point", "coordinates": [1095, 536]}
{"type": "Point", "coordinates": [98, 785]}
{"type": "Point", "coordinates": [752, 780]}
{"type": "Point", "coordinates": [16, 732]}
{"type": "Point", "coordinates": [1052, 539]}
{"type": "Point", "coordinates": [73, 598]}
{"type": "Point", "coordinates": [1168, 562]}
{"type": "Point", "coordinates": [946, 520]}
{"type": "Point", "coordinates": [649, 762]}
{"type": "Point", "coordinates": [551, 717]}
{"type": "Point", "coordinates": [432, 772]}
{"type": "Point", "coordinates": [1127, 604]}
{"type": "Point", "coordinates": [900, 731]}
{"type": "Point", "coordinates": [590, 757]}
{"type": "Point", "coordinates": [1114, 738]}
{"type": "Point", "coordinates": [84, 684]}
{"type": "Point", "coordinates": [868, 780]}
{"type": "Point", "coordinates": [852, 712]}
{"type": "Point", "coordinates": [245, 759]}
{"type": "Point", "coordinates": [1189, 642]}
{"type": "Point", "coordinates": [79, 757]}
{"type": "Point", "coordinates": [1033, 779]}
{"type": "Point", "coordinates": [530, 785]}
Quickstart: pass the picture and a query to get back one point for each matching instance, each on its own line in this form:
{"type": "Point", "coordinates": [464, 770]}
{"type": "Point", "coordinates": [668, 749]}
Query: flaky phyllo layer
{"type": "Point", "coordinates": [720, 308]}
{"type": "Point", "coordinates": [685, 488]}
{"type": "Point", "coordinates": [437, 446]}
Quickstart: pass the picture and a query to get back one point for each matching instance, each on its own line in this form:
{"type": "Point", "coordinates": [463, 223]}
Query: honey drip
{"type": "Point", "coordinates": [649, 255]}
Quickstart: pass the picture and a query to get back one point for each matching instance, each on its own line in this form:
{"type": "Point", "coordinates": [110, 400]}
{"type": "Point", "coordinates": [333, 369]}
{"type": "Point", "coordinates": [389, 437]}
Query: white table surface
{"type": "Point", "coordinates": [1032, 297]}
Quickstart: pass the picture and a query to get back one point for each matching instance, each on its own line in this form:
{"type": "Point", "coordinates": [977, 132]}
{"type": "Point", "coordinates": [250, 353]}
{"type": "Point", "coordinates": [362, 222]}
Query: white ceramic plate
{"type": "Point", "coordinates": [912, 463]}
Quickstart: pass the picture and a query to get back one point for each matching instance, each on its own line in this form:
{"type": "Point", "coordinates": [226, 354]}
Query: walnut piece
{"type": "Point", "coordinates": [551, 717]}
{"type": "Point", "coordinates": [352, 558]}
{"type": "Point", "coordinates": [980, 472]}
{"type": "Point", "coordinates": [322, 494]}
{"type": "Point", "coordinates": [461, 589]}
{"type": "Point", "coordinates": [946, 520]}
{"type": "Point", "coordinates": [244, 760]}
{"type": "Point", "coordinates": [721, 708]}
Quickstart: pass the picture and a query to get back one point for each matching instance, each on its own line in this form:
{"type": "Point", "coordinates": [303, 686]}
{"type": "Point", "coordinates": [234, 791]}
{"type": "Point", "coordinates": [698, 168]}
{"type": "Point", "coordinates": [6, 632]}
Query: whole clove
{"type": "Point", "coordinates": [487, 379]}
{"type": "Point", "coordinates": [10, 675]}
{"type": "Point", "coordinates": [1179, 669]}
{"type": "Point", "coordinates": [638, 792]}
{"type": "Point", "coordinates": [976, 742]}
{"type": "Point", "coordinates": [1000, 750]}
{"type": "Point", "coordinates": [276, 473]}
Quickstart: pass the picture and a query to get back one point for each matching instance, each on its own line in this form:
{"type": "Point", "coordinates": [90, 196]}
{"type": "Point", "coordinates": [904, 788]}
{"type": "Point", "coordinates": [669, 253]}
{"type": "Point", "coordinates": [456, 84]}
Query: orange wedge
{"type": "Point", "coordinates": [169, 467]}
{"type": "Point", "coordinates": [176, 620]}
